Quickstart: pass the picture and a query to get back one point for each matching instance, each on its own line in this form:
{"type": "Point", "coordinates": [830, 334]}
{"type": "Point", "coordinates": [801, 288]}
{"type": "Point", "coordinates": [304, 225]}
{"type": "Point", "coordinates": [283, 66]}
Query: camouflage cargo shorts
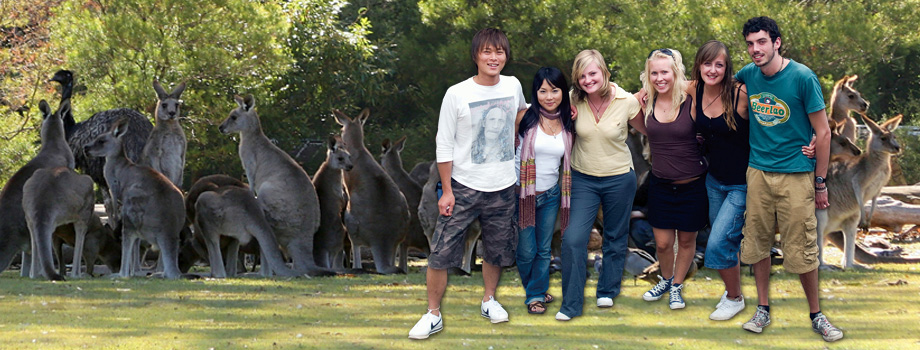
{"type": "Point", "coordinates": [495, 211]}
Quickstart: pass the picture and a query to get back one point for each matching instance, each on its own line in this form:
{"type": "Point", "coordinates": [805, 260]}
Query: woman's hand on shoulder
{"type": "Point", "coordinates": [809, 151]}
{"type": "Point", "coordinates": [642, 96]}
{"type": "Point", "coordinates": [574, 111]}
{"type": "Point", "coordinates": [742, 108]}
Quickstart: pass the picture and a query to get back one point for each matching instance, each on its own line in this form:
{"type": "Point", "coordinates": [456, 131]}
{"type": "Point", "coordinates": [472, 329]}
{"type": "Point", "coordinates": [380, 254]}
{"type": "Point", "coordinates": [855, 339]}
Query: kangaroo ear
{"type": "Point", "coordinates": [852, 79]}
{"type": "Point", "coordinates": [892, 124]}
{"type": "Point", "coordinates": [177, 91]}
{"type": "Point", "coordinates": [249, 102]}
{"type": "Point", "coordinates": [239, 101]}
{"type": "Point", "coordinates": [870, 124]}
{"type": "Point", "coordinates": [400, 144]}
{"type": "Point", "coordinates": [330, 142]}
{"type": "Point", "coordinates": [340, 118]}
{"type": "Point", "coordinates": [385, 145]}
{"type": "Point", "coordinates": [120, 128]}
{"type": "Point", "coordinates": [362, 118]}
{"type": "Point", "coordinates": [44, 108]}
{"type": "Point", "coordinates": [161, 93]}
{"type": "Point", "coordinates": [64, 108]}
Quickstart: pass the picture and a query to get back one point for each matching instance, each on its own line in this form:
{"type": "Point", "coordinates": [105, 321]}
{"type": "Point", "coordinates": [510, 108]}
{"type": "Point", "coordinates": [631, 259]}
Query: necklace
{"type": "Point", "coordinates": [596, 109]}
{"type": "Point", "coordinates": [713, 100]}
{"type": "Point", "coordinates": [544, 122]}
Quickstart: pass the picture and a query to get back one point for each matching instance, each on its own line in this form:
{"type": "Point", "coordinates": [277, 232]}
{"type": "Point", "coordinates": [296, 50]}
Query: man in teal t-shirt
{"type": "Point", "coordinates": [784, 186]}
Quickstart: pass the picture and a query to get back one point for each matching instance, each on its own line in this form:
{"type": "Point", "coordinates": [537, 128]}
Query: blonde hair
{"type": "Point", "coordinates": [584, 59]}
{"type": "Point", "coordinates": [678, 94]}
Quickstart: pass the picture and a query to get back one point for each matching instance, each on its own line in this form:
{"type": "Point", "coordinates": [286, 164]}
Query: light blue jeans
{"type": "Point", "coordinates": [726, 214]}
{"type": "Point", "coordinates": [533, 250]}
{"type": "Point", "coordinates": [615, 194]}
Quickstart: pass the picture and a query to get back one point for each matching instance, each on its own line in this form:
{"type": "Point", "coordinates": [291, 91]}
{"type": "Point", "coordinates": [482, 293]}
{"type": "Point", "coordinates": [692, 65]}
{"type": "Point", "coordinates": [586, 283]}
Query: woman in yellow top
{"type": "Point", "coordinates": [602, 175]}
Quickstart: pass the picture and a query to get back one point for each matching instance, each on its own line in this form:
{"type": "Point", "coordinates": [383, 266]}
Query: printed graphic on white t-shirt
{"type": "Point", "coordinates": [493, 125]}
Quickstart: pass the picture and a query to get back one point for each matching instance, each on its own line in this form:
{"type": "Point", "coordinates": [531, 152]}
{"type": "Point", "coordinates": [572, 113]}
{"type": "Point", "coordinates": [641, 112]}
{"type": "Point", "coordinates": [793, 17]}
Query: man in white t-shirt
{"type": "Point", "coordinates": [475, 155]}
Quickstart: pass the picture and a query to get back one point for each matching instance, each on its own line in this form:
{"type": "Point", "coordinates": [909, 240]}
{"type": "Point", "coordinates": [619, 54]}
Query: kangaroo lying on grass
{"type": "Point", "coordinates": [233, 212]}
{"type": "Point", "coordinates": [54, 152]}
{"type": "Point", "coordinates": [151, 206]}
{"type": "Point", "coordinates": [282, 187]}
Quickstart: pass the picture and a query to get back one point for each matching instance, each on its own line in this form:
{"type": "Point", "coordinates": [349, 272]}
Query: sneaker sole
{"type": "Point", "coordinates": [753, 328]}
{"type": "Point", "coordinates": [494, 320]}
{"type": "Point", "coordinates": [721, 318]}
{"type": "Point", "coordinates": [648, 298]}
{"type": "Point", "coordinates": [829, 338]}
{"type": "Point", "coordinates": [677, 306]}
{"type": "Point", "coordinates": [433, 331]}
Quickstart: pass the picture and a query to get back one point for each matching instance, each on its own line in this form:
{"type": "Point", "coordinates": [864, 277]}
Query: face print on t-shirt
{"type": "Point", "coordinates": [493, 124]}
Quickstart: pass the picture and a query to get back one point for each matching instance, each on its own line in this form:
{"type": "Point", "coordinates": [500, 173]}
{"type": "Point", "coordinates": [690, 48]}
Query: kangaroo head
{"type": "Point", "coordinates": [391, 150]}
{"type": "Point", "coordinates": [337, 156]}
{"type": "Point", "coordinates": [53, 123]}
{"type": "Point", "coordinates": [841, 145]}
{"type": "Point", "coordinates": [168, 104]}
{"type": "Point", "coordinates": [108, 143]}
{"type": "Point", "coordinates": [241, 118]}
{"type": "Point", "coordinates": [352, 129]}
{"type": "Point", "coordinates": [882, 137]}
{"type": "Point", "coordinates": [845, 97]}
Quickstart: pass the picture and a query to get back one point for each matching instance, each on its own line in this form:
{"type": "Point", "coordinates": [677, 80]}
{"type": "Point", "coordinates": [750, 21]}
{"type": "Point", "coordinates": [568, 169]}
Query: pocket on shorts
{"type": "Point", "coordinates": [811, 240]}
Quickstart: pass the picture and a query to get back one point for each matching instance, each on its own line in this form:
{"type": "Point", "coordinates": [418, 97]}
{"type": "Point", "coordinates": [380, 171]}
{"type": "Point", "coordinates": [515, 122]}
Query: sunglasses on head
{"type": "Point", "coordinates": [664, 51]}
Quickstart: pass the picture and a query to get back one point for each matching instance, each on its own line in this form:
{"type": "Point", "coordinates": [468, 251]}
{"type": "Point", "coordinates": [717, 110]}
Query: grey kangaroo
{"type": "Point", "coordinates": [392, 164]}
{"type": "Point", "coordinates": [282, 187]}
{"type": "Point", "coordinates": [151, 206]}
{"type": "Point", "coordinates": [377, 215]}
{"type": "Point", "coordinates": [54, 152]}
{"type": "Point", "coordinates": [165, 148]}
{"type": "Point", "coordinates": [54, 197]}
{"type": "Point", "coordinates": [329, 242]}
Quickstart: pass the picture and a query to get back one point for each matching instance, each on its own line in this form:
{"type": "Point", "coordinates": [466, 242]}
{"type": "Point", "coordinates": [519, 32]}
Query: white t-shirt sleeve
{"type": "Point", "coordinates": [447, 128]}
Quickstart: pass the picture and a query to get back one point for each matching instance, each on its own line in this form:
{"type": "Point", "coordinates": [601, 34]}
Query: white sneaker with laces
{"type": "Point", "coordinates": [562, 317]}
{"type": "Point", "coordinates": [604, 302]}
{"type": "Point", "coordinates": [428, 325]}
{"type": "Point", "coordinates": [727, 308]}
{"type": "Point", "coordinates": [494, 311]}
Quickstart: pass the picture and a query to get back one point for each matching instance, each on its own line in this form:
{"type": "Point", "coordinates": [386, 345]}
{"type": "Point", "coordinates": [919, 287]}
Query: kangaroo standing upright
{"type": "Point", "coordinates": [165, 148]}
{"type": "Point", "coordinates": [329, 242]}
{"type": "Point", "coordinates": [54, 197]}
{"type": "Point", "coordinates": [392, 164]}
{"type": "Point", "coordinates": [282, 187]}
{"type": "Point", "coordinates": [54, 152]}
{"type": "Point", "coordinates": [844, 99]}
{"type": "Point", "coordinates": [377, 215]}
{"type": "Point", "coordinates": [151, 206]}
{"type": "Point", "coordinates": [853, 182]}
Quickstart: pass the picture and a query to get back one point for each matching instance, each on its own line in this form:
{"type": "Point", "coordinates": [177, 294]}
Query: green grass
{"type": "Point", "coordinates": [376, 312]}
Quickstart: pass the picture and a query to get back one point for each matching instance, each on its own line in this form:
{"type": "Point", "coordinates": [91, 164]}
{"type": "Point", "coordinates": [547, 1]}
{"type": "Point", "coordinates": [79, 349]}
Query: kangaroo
{"type": "Point", "coordinates": [165, 148]}
{"type": "Point", "coordinates": [329, 243]}
{"type": "Point", "coordinates": [54, 197]}
{"type": "Point", "coordinates": [100, 243]}
{"type": "Point", "coordinates": [54, 152]}
{"type": "Point", "coordinates": [428, 217]}
{"type": "Point", "coordinates": [844, 99]}
{"type": "Point", "coordinates": [234, 212]}
{"type": "Point", "coordinates": [377, 214]}
{"type": "Point", "coordinates": [392, 164]}
{"type": "Point", "coordinates": [842, 148]}
{"type": "Point", "coordinates": [282, 187]}
{"type": "Point", "coordinates": [151, 206]}
{"type": "Point", "coordinates": [851, 183]}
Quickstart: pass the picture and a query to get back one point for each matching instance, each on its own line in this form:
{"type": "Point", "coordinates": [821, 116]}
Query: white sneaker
{"type": "Point", "coordinates": [428, 325]}
{"type": "Point", "coordinates": [562, 317]}
{"type": "Point", "coordinates": [494, 311]}
{"type": "Point", "coordinates": [604, 302]}
{"type": "Point", "coordinates": [727, 308]}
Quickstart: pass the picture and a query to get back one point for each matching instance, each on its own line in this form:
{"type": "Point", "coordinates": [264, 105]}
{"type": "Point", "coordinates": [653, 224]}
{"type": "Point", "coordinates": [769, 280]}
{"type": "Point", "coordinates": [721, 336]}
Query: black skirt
{"type": "Point", "coordinates": [683, 207]}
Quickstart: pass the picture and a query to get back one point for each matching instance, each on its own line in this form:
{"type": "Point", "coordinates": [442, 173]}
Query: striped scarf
{"type": "Point", "coordinates": [528, 195]}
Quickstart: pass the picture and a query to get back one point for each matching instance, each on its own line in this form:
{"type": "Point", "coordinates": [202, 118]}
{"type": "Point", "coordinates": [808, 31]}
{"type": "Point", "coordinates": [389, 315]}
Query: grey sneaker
{"type": "Point", "coordinates": [757, 323]}
{"type": "Point", "coordinates": [663, 286]}
{"type": "Point", "coordinates": [824, 327]}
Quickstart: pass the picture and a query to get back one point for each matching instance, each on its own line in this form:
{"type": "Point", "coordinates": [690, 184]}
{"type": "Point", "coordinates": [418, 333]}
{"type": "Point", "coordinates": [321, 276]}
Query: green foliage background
{"type": "Point", "coordinates": [303, 58]}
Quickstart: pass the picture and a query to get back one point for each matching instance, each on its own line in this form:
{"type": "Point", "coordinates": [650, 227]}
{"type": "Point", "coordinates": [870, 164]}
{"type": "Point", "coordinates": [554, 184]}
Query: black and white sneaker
{"type": "Point", "coordinates": [494, 311]}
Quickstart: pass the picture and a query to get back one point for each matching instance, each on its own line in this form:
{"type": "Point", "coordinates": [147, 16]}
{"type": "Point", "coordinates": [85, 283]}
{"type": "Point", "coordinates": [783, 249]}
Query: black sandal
{"type": "Point", "coordinates": [534, 306]}
{"type": "Point", "coordinates": [548, 298]}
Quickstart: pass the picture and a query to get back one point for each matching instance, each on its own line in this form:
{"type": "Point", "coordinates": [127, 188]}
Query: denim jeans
{"type": "Point", "coordinates": [533, 250]}
{"type": "Point", "coordinates": [615, 194]}
{"type": "Point", "coordinates": [726, 213]}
